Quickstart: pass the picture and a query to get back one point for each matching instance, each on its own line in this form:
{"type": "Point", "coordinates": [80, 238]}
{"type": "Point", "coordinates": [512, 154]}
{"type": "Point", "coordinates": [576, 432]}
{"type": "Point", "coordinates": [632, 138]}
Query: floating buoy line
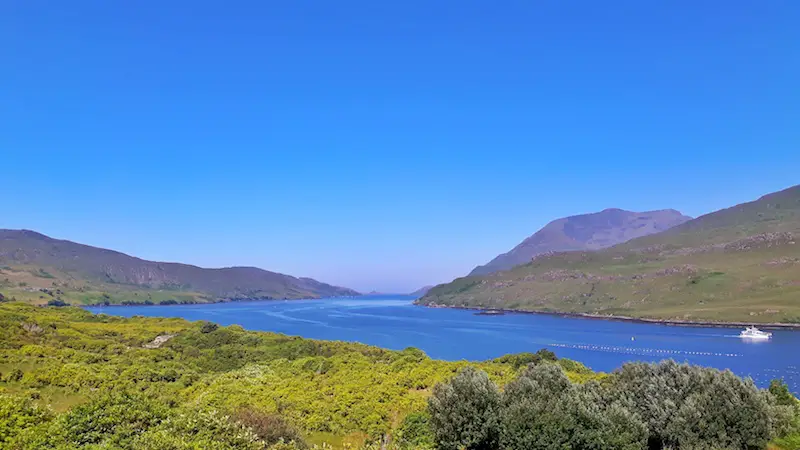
{"type": "Point", "coordinates": [641, 351]}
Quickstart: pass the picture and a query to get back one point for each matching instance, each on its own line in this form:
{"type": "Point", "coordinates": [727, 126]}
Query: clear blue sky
{"type": "Point", "coordinates": [383, 145]}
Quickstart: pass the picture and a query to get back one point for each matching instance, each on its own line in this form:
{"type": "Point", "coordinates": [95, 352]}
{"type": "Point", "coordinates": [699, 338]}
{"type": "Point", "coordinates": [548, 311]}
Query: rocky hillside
{"type": "Point", "coordinates": [737, 264]}
{"type": "Point", "coordinates": [585, 232]}
{"type": "Point", "coordinates": [29, 259]}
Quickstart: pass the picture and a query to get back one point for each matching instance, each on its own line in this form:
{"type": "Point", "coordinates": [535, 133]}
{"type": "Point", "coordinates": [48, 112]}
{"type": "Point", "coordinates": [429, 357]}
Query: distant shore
{"type": "Point", "coordinates": [673, 322]}
{"type": "Point", "coordinates": [210, 302]}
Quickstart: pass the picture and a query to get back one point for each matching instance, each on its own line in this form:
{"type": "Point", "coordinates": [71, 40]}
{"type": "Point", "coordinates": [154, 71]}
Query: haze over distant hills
{"type": "Point", "coordinates": [83, 274]}
{"type": "Point", "coordinates": [421, 291]}
{"type": "Point", "coordinates": [585, 232]}
{"type": "Point", "coordinates": [737, 264]}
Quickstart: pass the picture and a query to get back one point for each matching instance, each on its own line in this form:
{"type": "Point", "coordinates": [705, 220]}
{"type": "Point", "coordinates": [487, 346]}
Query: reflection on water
{"type": "Point", "coordinates": [393, 322]}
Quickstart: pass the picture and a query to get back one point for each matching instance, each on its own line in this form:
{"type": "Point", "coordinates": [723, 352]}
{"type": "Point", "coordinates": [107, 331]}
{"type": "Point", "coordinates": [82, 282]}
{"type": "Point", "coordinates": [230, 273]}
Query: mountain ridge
{"type": "Point", "coordinates": [591, 231]}
{"type": "Point", "coordinates": [102, 268]}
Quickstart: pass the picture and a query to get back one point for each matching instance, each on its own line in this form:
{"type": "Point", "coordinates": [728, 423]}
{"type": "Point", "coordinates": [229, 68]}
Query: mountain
{"type": "Point", "coordinates": [421, 291]}
{"type": "Point", "coordinates": [585, 232]}
{"type": "Point", "coordinates": [737, 264]}
{"type": "Point", "coordinates": [32, 261]}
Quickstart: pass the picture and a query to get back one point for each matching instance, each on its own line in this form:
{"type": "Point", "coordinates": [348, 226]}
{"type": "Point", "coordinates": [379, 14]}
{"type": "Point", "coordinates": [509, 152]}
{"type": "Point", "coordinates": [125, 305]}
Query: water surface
{"type": "Point", "coordinates": [452, 334]}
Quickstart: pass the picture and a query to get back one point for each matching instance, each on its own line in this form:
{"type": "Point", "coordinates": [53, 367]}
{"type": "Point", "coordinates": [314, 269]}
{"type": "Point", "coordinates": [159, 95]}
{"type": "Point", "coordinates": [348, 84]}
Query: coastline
{"type": "Point", "coordinates": [213, 302]}
{"type": "Point", "coordinates": [667, 322]}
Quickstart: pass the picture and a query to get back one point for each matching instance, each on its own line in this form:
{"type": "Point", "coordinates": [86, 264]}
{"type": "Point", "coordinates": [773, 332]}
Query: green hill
{"type": "Point", "coordinates": [40, 269]}
{"type": "Point", "coordinates": [738, 264]}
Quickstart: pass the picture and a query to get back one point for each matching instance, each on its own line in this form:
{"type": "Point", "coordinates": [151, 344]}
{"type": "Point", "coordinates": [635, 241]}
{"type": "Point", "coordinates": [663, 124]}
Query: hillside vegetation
{"type": "Point", "coordinates": [39, 269]}
{"type": "Point", "coordinates": [70, 379]}
{"type": "Point", "coordinates": [738, 264]}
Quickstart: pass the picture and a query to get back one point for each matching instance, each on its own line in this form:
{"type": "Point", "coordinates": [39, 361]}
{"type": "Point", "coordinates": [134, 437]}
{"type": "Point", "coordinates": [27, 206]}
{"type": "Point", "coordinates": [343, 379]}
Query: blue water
{"type": "Point", "coordinates": [452, 334]}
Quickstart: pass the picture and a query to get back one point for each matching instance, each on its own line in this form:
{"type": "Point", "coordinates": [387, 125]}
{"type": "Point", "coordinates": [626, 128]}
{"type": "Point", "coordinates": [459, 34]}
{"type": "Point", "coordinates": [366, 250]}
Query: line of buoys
{"type": "Point", "coordinates": [641, 351]}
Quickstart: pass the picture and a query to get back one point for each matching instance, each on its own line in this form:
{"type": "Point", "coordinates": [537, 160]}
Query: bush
{"type": "Point", "coordinates": [208, 327]}
{"type": "Point", "coordinates": [111, 421]}
{"type": "Point", "coordinates": [415, 432]}
{"type": "Point", "coordinates": [193, 430]}
{"type": "Point", "coordinates": [14, 375]}
{"type": "Point", "coordinates": [465, 412]}
{"type": "Point", "coordinates": [18, 414]}
{"type": "Point", "coordinates": [780, 392]}
{"type": "Point", "coordinates": [270, 428]}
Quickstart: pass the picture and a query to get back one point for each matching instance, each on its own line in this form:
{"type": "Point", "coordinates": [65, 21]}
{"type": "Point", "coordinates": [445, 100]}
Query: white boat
{"type": "Point", "coordinates": [754, 333]}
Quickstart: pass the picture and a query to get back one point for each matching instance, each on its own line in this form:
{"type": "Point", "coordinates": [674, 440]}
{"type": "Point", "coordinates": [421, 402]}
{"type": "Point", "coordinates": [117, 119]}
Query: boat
{"type": "Point", "coordinates": [754, 333]}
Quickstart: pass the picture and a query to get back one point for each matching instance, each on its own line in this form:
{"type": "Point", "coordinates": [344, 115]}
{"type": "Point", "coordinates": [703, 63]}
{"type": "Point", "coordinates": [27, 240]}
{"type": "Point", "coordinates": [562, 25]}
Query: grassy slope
{"type": "Point", "coordinates": [38, 285]}
{"type": "Point", "coordinates": [335, 391]}
{"type": "Point", "coordinates": [81, 274]}
{"type": "Point", "coordinates": [738, 264]}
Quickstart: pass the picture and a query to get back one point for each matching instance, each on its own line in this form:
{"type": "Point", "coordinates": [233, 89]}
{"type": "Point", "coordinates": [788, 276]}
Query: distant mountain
{"type": "Point", "coordinates": [740, 264]}
{"type": "Point", "coordinates": [421, 291]}
{"type": "Point", "coordinates": [31, 260]}
{"type": "Point", "coordinates": [585, 232]}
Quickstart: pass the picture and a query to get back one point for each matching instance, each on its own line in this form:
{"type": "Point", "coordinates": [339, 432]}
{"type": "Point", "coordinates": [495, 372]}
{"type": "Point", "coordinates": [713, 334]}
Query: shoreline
{"type": "Point", "coordinates": [214, 302]}
{"type": "Point", "coordinates": [666, 322]}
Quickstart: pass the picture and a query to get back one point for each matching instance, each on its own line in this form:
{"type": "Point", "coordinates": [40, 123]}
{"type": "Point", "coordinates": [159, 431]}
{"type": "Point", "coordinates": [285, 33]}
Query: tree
{"type": "Point", "coordinates": [543, 410]}
{"type": "Point", "coordinates": [780, 391]}
{"type": "Point", "coordinates": [724, 412]}
{"type": "Point", "coordinates": [465, 412]}
{"type": "Point", "coordinates": [695, 407]}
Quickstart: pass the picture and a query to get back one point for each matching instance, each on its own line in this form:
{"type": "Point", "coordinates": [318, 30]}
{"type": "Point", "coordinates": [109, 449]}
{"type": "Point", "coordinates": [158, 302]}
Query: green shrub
{"type": "Point", "coordinates": [193, 430]}
{"type": "Point", "coordinates": [112, 420]}
{"type": "Point", "coordinates": [18, 414]}
{"type": "Point", "coordinates": [270, 428]}
{"type": "Point", "coordinates": [465, 412]}
{"type": "Point", "coordinates": [415, 432]}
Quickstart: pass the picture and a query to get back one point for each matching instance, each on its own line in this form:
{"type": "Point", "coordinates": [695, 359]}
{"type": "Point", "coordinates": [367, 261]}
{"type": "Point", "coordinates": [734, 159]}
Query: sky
{"type": "Point", "coordinates": [383, 145]}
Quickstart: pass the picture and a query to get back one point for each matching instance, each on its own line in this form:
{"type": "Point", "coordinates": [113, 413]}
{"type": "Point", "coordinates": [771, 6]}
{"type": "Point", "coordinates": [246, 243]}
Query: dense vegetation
{"type": "Point", "coordinates": [655, 406]}
{"type": "Point", "coordinates": [72, 379]}
{"type": "Point", "coordinates": [738, 264]}
{"type": "Point", "coordinates": [42, 270]}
